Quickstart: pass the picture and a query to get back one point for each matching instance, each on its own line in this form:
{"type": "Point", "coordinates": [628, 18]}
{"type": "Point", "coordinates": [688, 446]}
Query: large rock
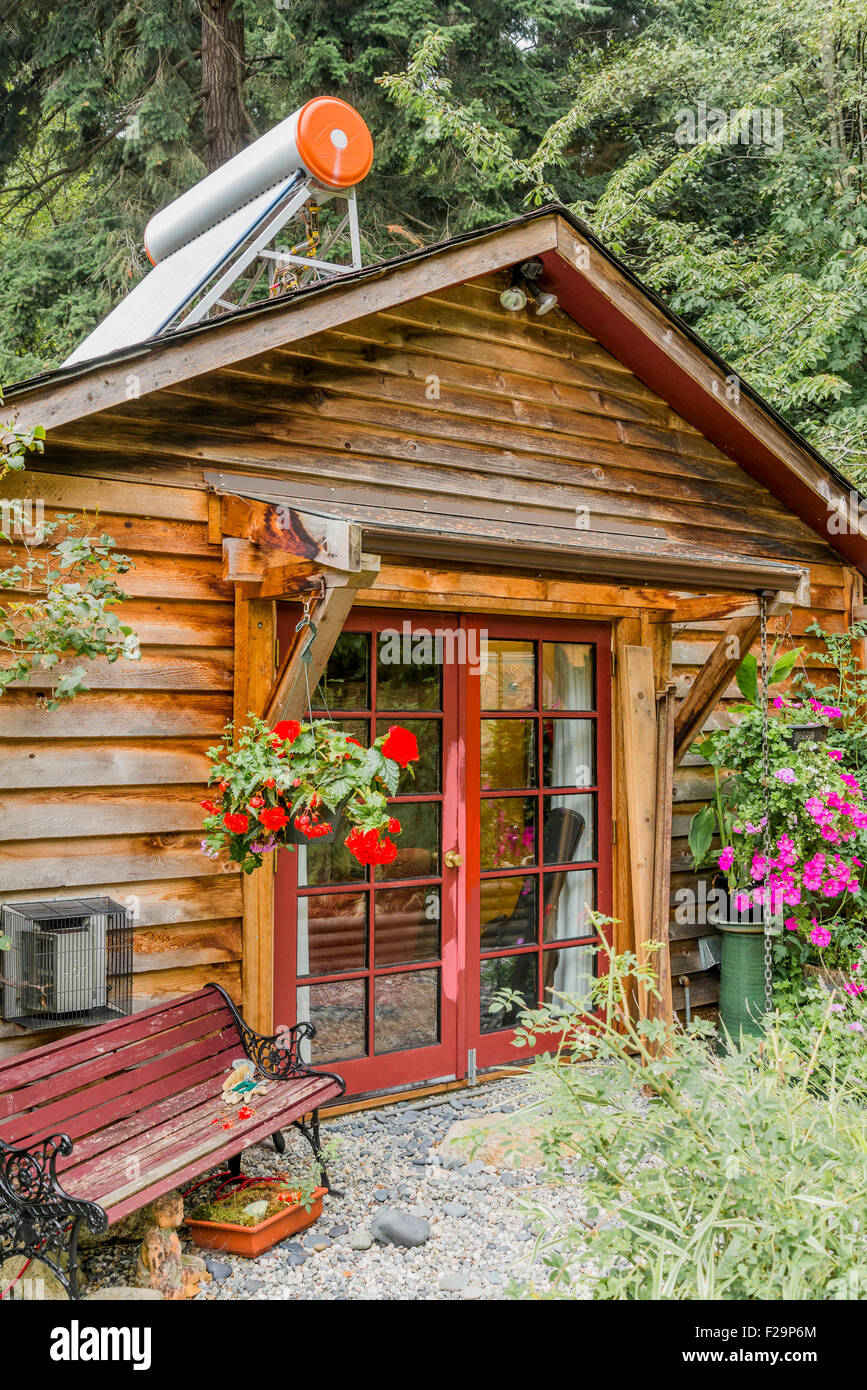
{"type": "Point", "coordinates": [392, 1227]}
{"type": "Point", "coordinates": [166, 1212]}
{"type": "Point", "coordinates": [37, 1282]}
{"type": "Point", "coordinates": [499, 1141]}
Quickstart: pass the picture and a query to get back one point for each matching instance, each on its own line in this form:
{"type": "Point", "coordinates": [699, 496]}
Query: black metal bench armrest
{"type": "Point", "coordinates": [279, 1057]}
{"type": "Point", "coordinates": [38, 1218]}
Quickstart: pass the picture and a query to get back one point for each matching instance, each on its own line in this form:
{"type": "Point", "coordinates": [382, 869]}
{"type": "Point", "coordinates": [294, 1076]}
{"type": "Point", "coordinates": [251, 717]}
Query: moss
{"type": "Point", "coordinates": [230, 1209]}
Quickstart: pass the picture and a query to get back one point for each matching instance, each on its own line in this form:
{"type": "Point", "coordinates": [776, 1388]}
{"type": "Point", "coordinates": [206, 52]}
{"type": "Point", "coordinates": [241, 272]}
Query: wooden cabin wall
{"type": "Point", "coordinates": [102, 795]}
{"type": "Point", "coordinates": [445, 412]}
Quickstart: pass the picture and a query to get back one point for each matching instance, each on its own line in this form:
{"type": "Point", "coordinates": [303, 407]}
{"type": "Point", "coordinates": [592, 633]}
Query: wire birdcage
{"type": "Point", "coordinates": [69, 963]}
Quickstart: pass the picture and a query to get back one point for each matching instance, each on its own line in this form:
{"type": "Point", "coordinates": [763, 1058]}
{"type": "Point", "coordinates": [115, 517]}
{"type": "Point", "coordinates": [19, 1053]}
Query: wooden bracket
{"type": "Point", "coordinates": [712, 680]}
{"type": "Point", "coordinates": [639, 719]}
{"type": "Point", "coordinates": [329, 612]}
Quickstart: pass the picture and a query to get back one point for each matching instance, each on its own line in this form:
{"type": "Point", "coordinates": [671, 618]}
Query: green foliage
{"type": "Point", "coordinates": [730, 1174]}
{"type": "Point", "coordinates": [101, 113]}
{"type": "Point", "coordinates": [845, 688]}
{"type": "Point", "coordinates": [297, 773]}
{"type": "Point", "coordinates": [63, 593]}
{"type": "Point", "coordinates": [760, 243]}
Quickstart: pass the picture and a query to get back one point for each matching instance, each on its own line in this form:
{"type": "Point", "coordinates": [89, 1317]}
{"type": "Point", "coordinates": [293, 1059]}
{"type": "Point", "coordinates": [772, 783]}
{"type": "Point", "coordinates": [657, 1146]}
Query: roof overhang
{"type": "Point", "coordinates": [593, 287]}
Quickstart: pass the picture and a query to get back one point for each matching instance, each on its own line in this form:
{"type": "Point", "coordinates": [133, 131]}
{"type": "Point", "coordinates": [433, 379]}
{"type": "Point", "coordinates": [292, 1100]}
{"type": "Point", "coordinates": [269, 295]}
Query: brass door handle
{"type": "Point", "coordinates": [453, 859]}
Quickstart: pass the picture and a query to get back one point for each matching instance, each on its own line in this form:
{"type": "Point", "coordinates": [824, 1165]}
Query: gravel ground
{"type": "Point", "coordinates": [481, 1235]}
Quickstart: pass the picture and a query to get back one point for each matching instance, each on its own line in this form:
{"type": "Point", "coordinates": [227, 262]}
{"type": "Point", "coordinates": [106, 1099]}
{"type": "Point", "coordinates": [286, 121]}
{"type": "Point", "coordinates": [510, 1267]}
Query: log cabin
{"type": "Point", "coordinates": [540, 542]}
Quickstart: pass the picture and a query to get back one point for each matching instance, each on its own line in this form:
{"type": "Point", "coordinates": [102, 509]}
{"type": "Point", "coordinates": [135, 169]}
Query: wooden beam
{"type": "Point", "coordinates": [255, 645]}
{"type": "Point", "coordinates": [288, 694]}
{"type": "Point", "coordinates": [323, 540]}
{"type": "Point", "coordinates": [638, 715]}
{"type": "Point", "coordinates": [662, 1007]}
{"type": "Point", "coordinates": [712, 680]}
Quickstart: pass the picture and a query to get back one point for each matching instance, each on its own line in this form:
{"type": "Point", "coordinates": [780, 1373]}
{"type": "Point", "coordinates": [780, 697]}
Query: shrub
{"type": "Point", "coordinates": [708, 1174]}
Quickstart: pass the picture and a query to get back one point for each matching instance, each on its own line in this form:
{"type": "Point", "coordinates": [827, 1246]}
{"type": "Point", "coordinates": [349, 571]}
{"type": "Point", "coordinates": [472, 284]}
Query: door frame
{"type": "Point", "coordinates": [495, 1049]}
{"type": "Point", "coordinates": [460, 890]}
{"type": "Point", "coordinates": [438, 1062]}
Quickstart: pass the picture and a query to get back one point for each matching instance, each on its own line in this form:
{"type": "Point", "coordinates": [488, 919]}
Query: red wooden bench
{"type": "Point", "coordinates": [101, 1123]}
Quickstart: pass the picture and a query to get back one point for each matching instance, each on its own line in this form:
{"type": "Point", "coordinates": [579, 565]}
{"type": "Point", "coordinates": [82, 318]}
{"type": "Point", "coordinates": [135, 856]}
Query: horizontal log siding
{"type": "Point", "coordinates": [442, 411]}
{"type": "Point", "coordinates": [102, 795]}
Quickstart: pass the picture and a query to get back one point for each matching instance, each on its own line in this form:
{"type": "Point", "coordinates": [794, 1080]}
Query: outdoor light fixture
{"type": "Point", "coordinates": [545, 301]}
{"type": "Point", "coordinates": [525, 283]}
{"type": "Point", "coordinates": [514, 298]}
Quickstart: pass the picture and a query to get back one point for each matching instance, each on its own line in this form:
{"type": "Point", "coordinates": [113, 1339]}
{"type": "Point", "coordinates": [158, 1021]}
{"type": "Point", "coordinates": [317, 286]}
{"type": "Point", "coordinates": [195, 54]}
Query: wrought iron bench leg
{"type": "Point", "coordinates": [279, 1141]}
{"type": "Point", "coordinates": [311, 1134]}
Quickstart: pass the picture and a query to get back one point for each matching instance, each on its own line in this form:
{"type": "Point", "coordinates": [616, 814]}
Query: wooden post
{"type": "Point", "coordinates": [638, 714]}
{"type": "Point", "coordinates": [662, 850]}
{"type": "Point", "coordinates": [255, 634]}
{"type": "Point", "coordinates": [626, 631]}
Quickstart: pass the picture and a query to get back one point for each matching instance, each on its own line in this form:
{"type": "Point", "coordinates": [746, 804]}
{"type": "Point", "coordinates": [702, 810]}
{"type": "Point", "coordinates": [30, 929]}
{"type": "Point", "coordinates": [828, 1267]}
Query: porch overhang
{"type": "Point", "coordinates": [635, 557]}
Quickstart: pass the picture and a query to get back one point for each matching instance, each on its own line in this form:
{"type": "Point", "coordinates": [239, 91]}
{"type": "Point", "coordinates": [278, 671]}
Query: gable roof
{"type": "Point", "coordinates": [594, 288]}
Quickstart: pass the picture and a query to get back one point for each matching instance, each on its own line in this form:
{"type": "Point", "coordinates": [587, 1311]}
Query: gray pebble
{"type": "Point", "coordinates": [452, 1283]}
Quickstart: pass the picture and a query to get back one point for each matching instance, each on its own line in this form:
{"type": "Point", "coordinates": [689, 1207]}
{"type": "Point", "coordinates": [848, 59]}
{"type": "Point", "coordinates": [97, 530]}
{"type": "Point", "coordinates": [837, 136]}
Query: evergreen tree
{"type": "Point", "coordinates": [110, 108]}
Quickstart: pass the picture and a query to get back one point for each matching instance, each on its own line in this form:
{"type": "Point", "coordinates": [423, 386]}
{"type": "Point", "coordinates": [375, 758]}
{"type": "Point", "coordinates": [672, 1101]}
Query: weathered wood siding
{"type": "Point", "coordinates": [443, 410]}
{"type": "Point", "coordinates": [102, 794]}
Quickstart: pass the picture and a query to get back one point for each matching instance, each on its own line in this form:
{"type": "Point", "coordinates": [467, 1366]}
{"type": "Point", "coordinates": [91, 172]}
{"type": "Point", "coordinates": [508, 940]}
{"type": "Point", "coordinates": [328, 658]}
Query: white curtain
{"type": "Point", "coordinates": [571, 676]}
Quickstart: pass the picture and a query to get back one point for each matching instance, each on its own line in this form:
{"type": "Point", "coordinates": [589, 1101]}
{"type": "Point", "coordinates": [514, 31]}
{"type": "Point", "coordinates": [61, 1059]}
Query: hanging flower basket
{"type": "Point", "coordinates": [303, 783]}
{"type": "Point", "coordinates": [806, 733]}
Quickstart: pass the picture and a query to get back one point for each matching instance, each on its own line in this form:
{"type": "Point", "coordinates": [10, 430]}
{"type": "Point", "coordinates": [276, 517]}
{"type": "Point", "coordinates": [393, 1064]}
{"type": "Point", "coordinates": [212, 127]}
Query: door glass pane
{"type": "Point", "coordinates": [508, 753]}
{"type": "Point", "coordinates": [408, 670]}
{"type": "Point", "coordinates": [518, 973]}
{"type": "Point", "coordinates": [568, 972]}
{"type": "Point", "coordinates": [508, 912]}
{"type": "Point", "coordinates": [568, 898]}
{"type": "Point", "coordinates": [406, 1010]}
{"type": "Point", "coordinates": [568, 752]}
{"type": "Point", "coordinates": [418, 844]}
{"type": "Point", "coordinates": [508, 832]}
{"type": "Point", "coordinates": [569, 831]}
{"type": "Point", "coordinates": [332, 933]}
{"type": "Point", "coordinates": [406, 924]}
{"type": "Point", "coordinates": [346, 680]}
{"type": "Point", "coordinates": [338, 1013]}
{"type": "Point", "coordinates": [319, 865]}
{"type": "Point", "coordinates": [567, 675]}
{"type": "Point", "coordinates": [428, 733]}
{"type": "Point", "coordinates": [509, 682]}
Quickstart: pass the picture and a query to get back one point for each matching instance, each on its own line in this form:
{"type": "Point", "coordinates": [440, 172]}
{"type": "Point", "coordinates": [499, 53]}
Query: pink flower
{"type": "Point", "coordinates": [785, 774]}
{"type": "Point", "coordinates": [834, 753]}
{"type": "Point", "coordinates": [850, 781]}
{"type": "Point", "coordinates": [778, 702]}
{"type": "Point", "coordinates": [742, 902]}
{"type": "Point", "coordinates": [726, 857]}
{"type": "Point", "coordinates": [856, 1027]}
{"type": "Point", "coordinates": [791, 924]}
{"type": "Point", "coordinates": [820, 936]}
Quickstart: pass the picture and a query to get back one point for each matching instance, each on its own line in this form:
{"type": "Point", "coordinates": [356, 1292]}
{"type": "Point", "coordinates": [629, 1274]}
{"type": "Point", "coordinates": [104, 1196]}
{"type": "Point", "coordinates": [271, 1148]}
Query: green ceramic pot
{"type": "Point", "coordinates": [742, 978]}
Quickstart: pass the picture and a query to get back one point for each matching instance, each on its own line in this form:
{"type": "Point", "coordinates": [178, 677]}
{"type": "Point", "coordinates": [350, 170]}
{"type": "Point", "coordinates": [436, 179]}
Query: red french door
{"type": "Point", "coordinates": [504, 846]}
{"type": "Point", "coordinates": [538, 816]}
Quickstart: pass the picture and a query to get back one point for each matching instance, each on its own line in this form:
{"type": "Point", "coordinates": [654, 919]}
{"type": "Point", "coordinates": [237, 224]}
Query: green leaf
{"type": "Point", "coordinates": [701, 832]}
{"type": "Point", "coordinates": [747, 678]}
{"type": "Point", "coordinates": [783, 666]}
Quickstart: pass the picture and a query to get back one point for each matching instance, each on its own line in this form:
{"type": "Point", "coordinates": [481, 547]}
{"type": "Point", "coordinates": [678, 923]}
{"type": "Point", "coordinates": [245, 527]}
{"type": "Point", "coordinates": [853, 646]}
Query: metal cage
{"type": "Point", "coordinates": [69, 962]}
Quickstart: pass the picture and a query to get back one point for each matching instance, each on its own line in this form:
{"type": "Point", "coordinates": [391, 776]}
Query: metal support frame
{"type": "Point", "coordinates": [38, 1218]}
{"type": "Point", "coordinates": [210, 295]}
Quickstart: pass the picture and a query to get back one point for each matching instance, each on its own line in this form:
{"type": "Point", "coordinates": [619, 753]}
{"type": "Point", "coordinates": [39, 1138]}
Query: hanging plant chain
{"type": "Point", "coordinates": [767, 912]}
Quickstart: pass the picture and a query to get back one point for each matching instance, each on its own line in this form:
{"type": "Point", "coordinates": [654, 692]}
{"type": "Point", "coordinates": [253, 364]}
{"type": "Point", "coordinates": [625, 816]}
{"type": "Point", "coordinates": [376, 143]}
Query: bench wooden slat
{"type": "Point", "coordinates": [180, 1135]}
{"type": "Point", "coordinates": [201, 1081]}
{"type": "Point", "coordinates": [128, 1063]}
{"type": "Point", "coordinates": [68, 1052]}
{"type": "Point", "coordinates": [78, 1114]}
{"type": "Point", "coordinates": [120, 1204]}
